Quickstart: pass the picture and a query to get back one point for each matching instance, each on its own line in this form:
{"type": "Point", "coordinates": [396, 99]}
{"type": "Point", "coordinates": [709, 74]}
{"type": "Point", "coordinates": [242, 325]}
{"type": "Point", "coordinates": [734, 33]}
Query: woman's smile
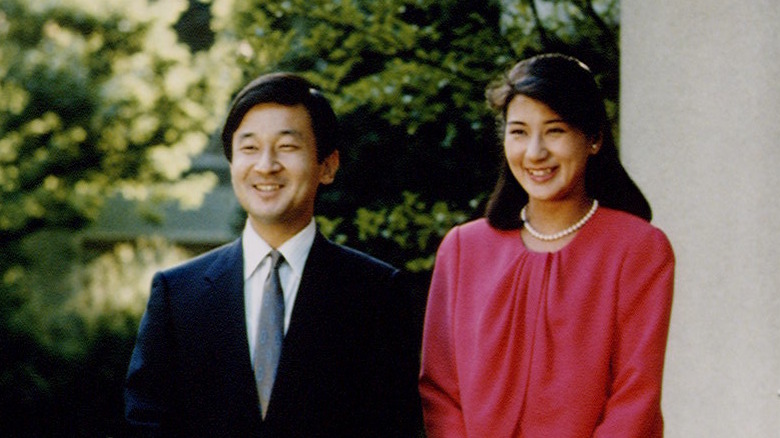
{"type": "Point", "coordinates": [546, 154]}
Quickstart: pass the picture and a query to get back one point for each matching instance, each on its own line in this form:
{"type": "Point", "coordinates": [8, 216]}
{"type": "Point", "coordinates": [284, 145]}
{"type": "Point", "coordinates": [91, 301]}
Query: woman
{"type": "Point", "coordinates": [549, 317]}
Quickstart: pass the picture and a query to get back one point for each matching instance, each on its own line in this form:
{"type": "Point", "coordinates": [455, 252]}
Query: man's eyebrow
{"type": "Point", "coordinates": [291, 131]}
{"type": "Point", "coordinates": [283, 132]}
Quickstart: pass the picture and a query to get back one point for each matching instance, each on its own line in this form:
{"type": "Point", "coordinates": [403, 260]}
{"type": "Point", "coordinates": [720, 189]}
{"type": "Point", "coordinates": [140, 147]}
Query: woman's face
{"type": "Point", "coordinates": [547, 156]}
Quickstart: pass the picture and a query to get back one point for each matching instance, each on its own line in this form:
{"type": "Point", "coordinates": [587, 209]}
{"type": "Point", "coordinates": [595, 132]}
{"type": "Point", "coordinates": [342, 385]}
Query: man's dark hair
{"type": "Point", "coordinates": [290, 90]}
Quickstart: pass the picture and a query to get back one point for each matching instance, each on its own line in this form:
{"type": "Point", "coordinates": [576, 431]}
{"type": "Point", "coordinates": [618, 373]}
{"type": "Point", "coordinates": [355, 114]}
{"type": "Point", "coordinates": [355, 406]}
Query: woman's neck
{"type": "Point", "coordinates": [550, 226]}
{"type": "Point", "coordinates": [550, 217]}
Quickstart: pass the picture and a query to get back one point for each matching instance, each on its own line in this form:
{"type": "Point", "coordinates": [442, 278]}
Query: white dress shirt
{"type": "Point", "coordinates": [257, 265]}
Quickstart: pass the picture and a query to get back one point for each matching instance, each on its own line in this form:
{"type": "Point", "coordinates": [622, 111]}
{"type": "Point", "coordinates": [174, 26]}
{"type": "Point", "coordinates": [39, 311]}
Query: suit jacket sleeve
{"type": "Point", "coordinates": [400, 341]}
{"type": "Point", "coordinates": [147, 391]}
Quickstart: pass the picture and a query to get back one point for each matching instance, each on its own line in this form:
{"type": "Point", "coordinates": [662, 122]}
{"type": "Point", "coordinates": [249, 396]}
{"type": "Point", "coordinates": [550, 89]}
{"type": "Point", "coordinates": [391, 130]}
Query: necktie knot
{"type": "Point", "coordinates": [276, 259]}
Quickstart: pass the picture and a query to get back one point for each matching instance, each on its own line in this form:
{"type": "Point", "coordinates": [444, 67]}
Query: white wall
{"type": "Point", "coordinates": [700, 133]}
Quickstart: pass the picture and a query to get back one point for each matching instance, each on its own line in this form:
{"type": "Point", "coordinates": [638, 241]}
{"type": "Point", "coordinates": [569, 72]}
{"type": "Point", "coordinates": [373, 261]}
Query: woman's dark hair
{"type": "Point", "coordinates": [568, 87]}
{"type": "Point", "coordinates": [285, 89]}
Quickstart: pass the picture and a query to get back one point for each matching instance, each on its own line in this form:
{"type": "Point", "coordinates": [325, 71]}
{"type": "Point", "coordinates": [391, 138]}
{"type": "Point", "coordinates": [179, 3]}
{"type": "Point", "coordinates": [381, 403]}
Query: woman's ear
{"type": "Point", "coordinates": [595, 147]}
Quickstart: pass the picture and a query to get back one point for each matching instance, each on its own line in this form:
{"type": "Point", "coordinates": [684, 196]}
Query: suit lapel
{"type": "Point", "coordinates": [311, 291]}
{"type": "Point", "coordinates": [306, 328]}
{"type": "Point", "coordinates": [225, 299]}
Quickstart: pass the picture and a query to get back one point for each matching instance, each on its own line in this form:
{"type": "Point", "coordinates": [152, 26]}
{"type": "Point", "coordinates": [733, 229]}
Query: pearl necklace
{"type": "Point", "coordinates": [559, 234]}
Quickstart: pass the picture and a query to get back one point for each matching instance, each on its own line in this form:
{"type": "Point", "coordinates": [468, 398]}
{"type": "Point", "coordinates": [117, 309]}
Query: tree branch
{"type": "Point", "coordinates": [542, 31]}
{"type": "Point", "coordinates": [586, 6]}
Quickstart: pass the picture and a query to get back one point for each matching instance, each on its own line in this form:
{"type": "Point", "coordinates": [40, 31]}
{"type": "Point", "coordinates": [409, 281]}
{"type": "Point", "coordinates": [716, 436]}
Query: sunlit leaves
{"type": "Point", "coordinates": [117, 282]}
{"type": "Point", "coordinates": [98, 96]}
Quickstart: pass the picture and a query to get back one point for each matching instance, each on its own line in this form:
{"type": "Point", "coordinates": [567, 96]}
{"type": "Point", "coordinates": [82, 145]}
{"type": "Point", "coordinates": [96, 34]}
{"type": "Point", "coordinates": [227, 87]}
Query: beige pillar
{"type": "Point", "coordinates": [700, 133]}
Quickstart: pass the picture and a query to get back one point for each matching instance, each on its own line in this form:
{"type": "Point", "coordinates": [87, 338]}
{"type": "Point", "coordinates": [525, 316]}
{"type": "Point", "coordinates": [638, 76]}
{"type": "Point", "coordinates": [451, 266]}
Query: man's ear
{"type": "Point", "coordinates": [329, 167]}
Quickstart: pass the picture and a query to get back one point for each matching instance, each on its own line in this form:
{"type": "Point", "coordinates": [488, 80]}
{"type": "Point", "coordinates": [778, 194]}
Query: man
{"type": "Point", "coordinates": [281, 333]}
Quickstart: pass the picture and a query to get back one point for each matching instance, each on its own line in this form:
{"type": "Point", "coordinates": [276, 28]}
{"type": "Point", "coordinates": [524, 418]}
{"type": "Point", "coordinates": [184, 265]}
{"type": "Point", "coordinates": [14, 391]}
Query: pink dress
{"type": "Point", "coordinates": [564, 344]}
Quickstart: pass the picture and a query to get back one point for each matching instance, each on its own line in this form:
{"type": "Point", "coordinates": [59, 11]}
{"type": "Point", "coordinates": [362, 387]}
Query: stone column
{"type": "Point", "coordinates": [700, 134]}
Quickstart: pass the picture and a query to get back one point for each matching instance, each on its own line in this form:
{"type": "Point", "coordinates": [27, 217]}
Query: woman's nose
{"type": "Point", "coordinates": [536, 149]}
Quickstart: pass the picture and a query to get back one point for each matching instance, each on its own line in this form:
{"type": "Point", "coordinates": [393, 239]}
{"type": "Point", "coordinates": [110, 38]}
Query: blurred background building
{"type": "Point", "coordinates": [700, 132]}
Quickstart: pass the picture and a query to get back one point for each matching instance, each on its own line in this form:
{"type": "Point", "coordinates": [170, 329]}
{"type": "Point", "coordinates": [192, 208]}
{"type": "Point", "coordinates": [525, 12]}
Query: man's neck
{"type": "Point", "coordinates": [276, 235]}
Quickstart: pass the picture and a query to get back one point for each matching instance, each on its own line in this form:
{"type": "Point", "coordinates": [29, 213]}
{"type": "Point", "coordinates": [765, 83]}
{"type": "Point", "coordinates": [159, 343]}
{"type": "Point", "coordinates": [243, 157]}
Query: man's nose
{"type": "Point", "coordinates": [267, 161]}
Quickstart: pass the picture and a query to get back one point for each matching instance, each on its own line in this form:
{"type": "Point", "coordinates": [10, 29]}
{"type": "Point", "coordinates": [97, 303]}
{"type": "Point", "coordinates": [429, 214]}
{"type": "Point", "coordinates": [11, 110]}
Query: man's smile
{"type": "Point", "coordinates": [267, 187]}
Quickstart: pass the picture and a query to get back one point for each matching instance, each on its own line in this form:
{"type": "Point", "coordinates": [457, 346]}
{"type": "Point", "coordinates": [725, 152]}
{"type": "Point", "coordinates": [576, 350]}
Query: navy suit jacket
{"type": "Point", "coordinates": [348, 366]}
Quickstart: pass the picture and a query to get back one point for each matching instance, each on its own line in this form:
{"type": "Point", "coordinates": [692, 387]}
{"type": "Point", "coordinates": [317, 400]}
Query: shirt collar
{"type": "Point", "coordinates": [295, 250]}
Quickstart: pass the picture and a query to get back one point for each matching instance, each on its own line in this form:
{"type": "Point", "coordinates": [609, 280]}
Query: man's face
{"type": "Point", "coordinates": [274, 170]}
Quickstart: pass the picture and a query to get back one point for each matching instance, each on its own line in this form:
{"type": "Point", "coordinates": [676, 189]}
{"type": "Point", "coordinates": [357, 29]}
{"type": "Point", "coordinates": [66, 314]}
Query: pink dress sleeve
{"type": "Point", "coordinates": [633, 408]}
{"type": "Point", "coordinates": [438, 375]}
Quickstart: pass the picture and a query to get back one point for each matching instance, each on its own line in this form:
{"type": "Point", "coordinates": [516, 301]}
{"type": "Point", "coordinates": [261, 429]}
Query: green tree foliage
{"type": "Point", "coordinates": [407, 78]}
{"type": "Point", "coordinates": [99, 98]}
{"type": "Point", "coordinates": [67, 345]}
{"type": "Point", "coordinates": [96, 99]}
